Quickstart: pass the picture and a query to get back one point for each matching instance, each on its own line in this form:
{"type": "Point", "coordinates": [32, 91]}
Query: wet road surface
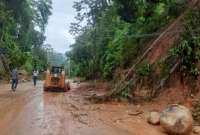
{"type": "Point", "coordinates": [30, 111]}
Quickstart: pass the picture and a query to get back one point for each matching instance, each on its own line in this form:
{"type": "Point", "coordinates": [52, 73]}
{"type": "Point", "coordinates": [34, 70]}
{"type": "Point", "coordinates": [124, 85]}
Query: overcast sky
{"type": "Point", "coordinates": [57, 31]}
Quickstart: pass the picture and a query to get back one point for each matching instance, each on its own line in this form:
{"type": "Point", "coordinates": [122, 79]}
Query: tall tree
{"type": "Point", "coordinates": [22, 29]}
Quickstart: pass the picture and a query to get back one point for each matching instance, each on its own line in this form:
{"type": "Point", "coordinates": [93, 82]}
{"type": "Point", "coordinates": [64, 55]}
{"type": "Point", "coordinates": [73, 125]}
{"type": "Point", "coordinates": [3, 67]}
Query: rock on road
{"type": "Point", "coordinates": [30, 111]}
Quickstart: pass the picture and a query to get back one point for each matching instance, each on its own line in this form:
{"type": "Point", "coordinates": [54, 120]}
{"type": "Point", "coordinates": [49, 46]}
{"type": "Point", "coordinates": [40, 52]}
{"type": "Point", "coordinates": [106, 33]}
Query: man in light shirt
{"type": "Point", "coordinates": [35, 76]}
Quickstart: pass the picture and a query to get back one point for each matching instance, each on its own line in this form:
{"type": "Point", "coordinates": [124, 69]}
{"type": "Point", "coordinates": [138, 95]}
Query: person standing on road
{"type": "Point", "coordinates": [14, 78]}
{"type": "Point", "coordinates": [35, 76]}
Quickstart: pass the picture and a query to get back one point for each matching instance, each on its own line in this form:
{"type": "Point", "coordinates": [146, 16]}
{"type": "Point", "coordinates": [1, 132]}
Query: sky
{"type": "Point", "coordinates": [57, 31]}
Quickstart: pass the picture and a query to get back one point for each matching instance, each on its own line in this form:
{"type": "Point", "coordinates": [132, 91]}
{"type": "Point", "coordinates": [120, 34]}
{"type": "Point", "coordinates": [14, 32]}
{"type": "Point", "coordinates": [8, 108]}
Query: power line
{"type": "Point", "coordinates": [154, 34]}
{"type": "Point", "coordinates": [159, 33]}
{"type": "Point", "coordinates": [144, 35]}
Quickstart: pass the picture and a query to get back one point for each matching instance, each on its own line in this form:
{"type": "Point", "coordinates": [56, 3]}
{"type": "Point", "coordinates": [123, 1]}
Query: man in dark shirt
{"type": "Point", "coordinates": [14, 77]}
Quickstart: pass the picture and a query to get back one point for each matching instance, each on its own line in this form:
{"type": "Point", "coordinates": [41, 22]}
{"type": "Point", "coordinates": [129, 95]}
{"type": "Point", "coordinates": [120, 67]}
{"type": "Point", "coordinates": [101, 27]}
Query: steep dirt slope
{"type": "Point", "coordinates": [168, 38]}
{"type": "Point", "coordinates": [157, 49]}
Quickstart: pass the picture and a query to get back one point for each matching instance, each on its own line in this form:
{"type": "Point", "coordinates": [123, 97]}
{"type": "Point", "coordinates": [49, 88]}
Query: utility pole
{"type": "Point", "coordinates": [69, 68]}
{"type": "Point", "coordinates": [95, 50]}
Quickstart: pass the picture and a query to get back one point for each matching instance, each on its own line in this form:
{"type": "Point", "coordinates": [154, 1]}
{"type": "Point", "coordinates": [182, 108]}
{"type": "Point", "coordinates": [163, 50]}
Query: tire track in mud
{"type": "Point", "coordinates": [34, 112]}
{"type": "Point", "coordinates": [12, 103]}
{"type": "Point", "coordinates": [39, 114]}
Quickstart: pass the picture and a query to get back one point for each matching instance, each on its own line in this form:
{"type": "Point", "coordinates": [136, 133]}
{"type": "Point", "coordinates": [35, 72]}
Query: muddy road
{"type": "Point", "coordinates": [30, 111]}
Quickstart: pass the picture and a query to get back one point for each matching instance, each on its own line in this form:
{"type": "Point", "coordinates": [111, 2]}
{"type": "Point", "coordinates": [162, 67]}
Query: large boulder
{"type": "Point", "coordinates": [153, 118]}
{"type": "Point", "coordinates": [177, 119]}
{"type": "Point", "coordinates": [196, 130]}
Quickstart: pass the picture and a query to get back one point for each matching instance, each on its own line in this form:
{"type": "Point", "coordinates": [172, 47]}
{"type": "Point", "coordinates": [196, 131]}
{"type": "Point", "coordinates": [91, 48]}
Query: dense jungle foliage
{"type": "Point", "coordinates": [22, 28]}
{"type": "Point", "coordinates": [188, 50]}
{"type": "Point", "coordinates": [111, 34]}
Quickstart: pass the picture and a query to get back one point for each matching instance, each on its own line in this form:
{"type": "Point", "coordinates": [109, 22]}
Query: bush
{"type": "Point", "coordinates": [144, 70]}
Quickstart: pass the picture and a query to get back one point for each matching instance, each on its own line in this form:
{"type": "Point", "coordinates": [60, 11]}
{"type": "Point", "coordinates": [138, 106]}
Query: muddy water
{"type": "Point", "coordinates": [30, 111]}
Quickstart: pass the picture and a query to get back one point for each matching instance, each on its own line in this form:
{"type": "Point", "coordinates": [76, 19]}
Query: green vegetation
{"type": "Point", "coordinates": [188, 51]}
{"type": "Point", "coordinates": [22, 27]}
{"type": "Point", "coordinates": [112, 34]}
{"type": "Point", "coordinates": [144, 70]}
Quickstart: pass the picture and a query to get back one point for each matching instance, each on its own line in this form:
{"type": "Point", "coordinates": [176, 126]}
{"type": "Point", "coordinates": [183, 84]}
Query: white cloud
{"type": "Point", "coordinates": [57, 31]}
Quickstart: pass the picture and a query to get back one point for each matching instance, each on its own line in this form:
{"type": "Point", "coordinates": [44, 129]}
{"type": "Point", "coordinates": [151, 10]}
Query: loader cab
{"type": "Point", "coordinates": [56, 70]}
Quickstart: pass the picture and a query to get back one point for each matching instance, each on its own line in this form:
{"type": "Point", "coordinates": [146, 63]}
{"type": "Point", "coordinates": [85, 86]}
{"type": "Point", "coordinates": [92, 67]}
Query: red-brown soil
{"type": "Point", "coordinates": [30, 111]}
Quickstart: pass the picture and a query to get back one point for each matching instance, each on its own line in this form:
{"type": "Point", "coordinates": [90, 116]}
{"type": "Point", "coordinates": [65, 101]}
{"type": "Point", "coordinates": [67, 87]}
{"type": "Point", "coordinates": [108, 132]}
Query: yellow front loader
{"type": "Point", "coordinates": [55, 80]}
